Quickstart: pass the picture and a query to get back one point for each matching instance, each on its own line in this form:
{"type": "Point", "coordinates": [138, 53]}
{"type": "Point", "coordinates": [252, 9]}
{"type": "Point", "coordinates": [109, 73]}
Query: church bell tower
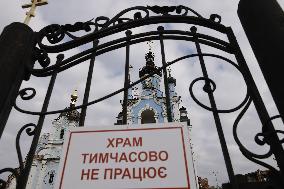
{"type": "Point", "coordinates": [149, 105]}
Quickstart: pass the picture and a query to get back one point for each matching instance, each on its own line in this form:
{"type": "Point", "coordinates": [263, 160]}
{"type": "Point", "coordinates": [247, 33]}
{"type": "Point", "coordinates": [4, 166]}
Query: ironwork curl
{"type": "Point", "coordinates": [25, 95]}
{"type": "Point", "coordinates": [260, 141]}
{"type": "Point", "coordinates": [30, 130]}
{"type": "Point", "coordinates": [118, 19]}
{"type": "Point", "coordinates": [207, 88]}
{"type": "Point", "coordinates": [78, 26]}
{"type": "Point", "coordinates": [265, 134]}
{"type": "Point", "coordinates": [42, 57]}
{"type": "Point", "coordinates": [101, 21]}
{"type": "Point", "coordinates": [54, 33]}
{"type": "Point", "coordinates": [14, 172]}
{"type": "Point", "coordinates": [248, 154]}
{"type": "Point", "coordinates": [216, 18]}
{"type": "Point", "coordinates": [166, 10]}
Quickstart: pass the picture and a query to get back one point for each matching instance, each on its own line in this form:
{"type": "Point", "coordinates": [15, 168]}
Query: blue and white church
{"type": "Point", "coordinates": [48, 152]}
{"type": "Point", "coordinates": [148, 106]}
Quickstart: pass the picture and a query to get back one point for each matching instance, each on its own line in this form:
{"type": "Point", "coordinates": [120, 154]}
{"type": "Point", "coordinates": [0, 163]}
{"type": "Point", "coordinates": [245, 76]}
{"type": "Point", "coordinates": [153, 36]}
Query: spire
{"type": "Point", "coordinates": [72, 115]}
{"type": "Point", "coordinates": [183, 116]}
{"type": "Point", "coordinates": [150, 56]}
{"type": "Point", "coordinates": [149, 43]}
{"type": "Point", "coordinates": [170, 78]}
{"type": "Point", "coordinates": [170, 71]}
{"type": "Point", "coordinates": [130, 67]}
{"type": "Point", "coordinates": [150, 65]}
{"type": "Point", "coordinates": [74, 97]}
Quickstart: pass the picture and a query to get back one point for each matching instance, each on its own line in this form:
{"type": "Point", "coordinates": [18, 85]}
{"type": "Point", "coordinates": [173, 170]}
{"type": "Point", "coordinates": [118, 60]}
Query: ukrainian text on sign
{"type": "Point", "coordinates": [141, 157]}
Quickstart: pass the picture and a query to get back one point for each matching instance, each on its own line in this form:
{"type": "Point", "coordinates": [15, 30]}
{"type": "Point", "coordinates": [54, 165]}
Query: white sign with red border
{"type": "Point", "coordinates": [127, 156]}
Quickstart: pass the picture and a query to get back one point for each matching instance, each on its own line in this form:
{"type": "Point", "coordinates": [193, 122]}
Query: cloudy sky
{"type": "Point", "coordinates": [108, 77]}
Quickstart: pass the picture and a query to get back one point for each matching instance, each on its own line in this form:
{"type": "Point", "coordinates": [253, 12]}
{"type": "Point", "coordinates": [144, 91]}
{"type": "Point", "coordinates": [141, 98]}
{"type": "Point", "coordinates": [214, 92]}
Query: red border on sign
{"type": "Point", "coordinates": [96, 131]}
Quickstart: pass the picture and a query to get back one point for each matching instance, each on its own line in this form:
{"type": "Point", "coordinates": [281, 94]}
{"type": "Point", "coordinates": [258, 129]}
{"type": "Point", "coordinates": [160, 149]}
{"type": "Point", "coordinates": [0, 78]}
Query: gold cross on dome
{"type": "Point", "coordinates": [32, 6]}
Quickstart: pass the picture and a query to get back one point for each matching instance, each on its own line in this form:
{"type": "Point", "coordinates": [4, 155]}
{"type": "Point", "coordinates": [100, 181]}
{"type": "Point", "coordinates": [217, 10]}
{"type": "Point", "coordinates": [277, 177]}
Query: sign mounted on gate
{"type": "Point", "coordinates": [127, 156]}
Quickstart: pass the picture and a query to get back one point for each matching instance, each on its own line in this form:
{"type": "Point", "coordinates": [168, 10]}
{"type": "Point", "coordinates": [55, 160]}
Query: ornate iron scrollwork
{"type": "Point", "coordinates": [24, 93]}
{"type": "Point", "coordinates": [56, 33]}
{"type": "Point", "coordinates": [42, 57]}
{"type": "Point", "coordinates": [260, 138]}
{"type": "Point", "coordinates": [248, 154]}
{"type": "Point", "coordinates": [30, 130]}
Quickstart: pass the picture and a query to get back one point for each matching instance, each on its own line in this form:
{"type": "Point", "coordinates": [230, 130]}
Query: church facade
{"type": "Point", "coordinates": [148, 106]}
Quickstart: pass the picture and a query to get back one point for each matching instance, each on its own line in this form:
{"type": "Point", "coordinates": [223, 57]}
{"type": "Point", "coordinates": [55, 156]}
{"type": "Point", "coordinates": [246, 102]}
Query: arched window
{"type": "Point", "coordinates": [61, 133]}
{"type": "Point", "coordinates": [51, 178]}
{"type": "Point", "coordinates": [148, 116]}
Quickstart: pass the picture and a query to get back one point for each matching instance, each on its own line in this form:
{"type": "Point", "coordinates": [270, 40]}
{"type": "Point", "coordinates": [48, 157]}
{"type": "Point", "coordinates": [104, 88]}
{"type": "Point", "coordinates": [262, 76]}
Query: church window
{"type": "Point", "coordinates": [51, 177]}
{"type": "Point", "coordinates": [148, 116]}
{"type": "Point", "coordinates": [61, 133]}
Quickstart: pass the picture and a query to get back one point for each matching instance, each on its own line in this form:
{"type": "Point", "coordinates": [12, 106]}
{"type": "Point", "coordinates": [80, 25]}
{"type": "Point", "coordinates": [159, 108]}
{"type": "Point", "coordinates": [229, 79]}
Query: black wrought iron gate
{"type": "Point", "coordinates": [35, 51]}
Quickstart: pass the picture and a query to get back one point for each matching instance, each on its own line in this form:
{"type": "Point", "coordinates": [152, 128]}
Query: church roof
{"type": "Point", "coordinates": [150, 65]}
{"type": "Point", "coordinates": [72, 115]}
{"type": "Point", "coordinates": [182, 108]}
{"type": "Point", "coordinates": [172, 80]}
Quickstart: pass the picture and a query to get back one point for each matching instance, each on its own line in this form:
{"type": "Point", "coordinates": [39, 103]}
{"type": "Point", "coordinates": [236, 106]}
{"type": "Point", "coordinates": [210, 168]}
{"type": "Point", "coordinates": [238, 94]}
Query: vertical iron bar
{"type": "Point", "coordinates": [272, 138]}
{"type": "Point", "coordinates": [24, 175]}
{"type": "Point", "coordinates": [126, 78]}
{"type": "Point", "coordinates": [207, 88]}
{"type": "Point", "coordinates": [88, 84]}
{"type": "Point", "coordinates": [166, 83]}
{"type": "Point", "coordinates": [267, 41]}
